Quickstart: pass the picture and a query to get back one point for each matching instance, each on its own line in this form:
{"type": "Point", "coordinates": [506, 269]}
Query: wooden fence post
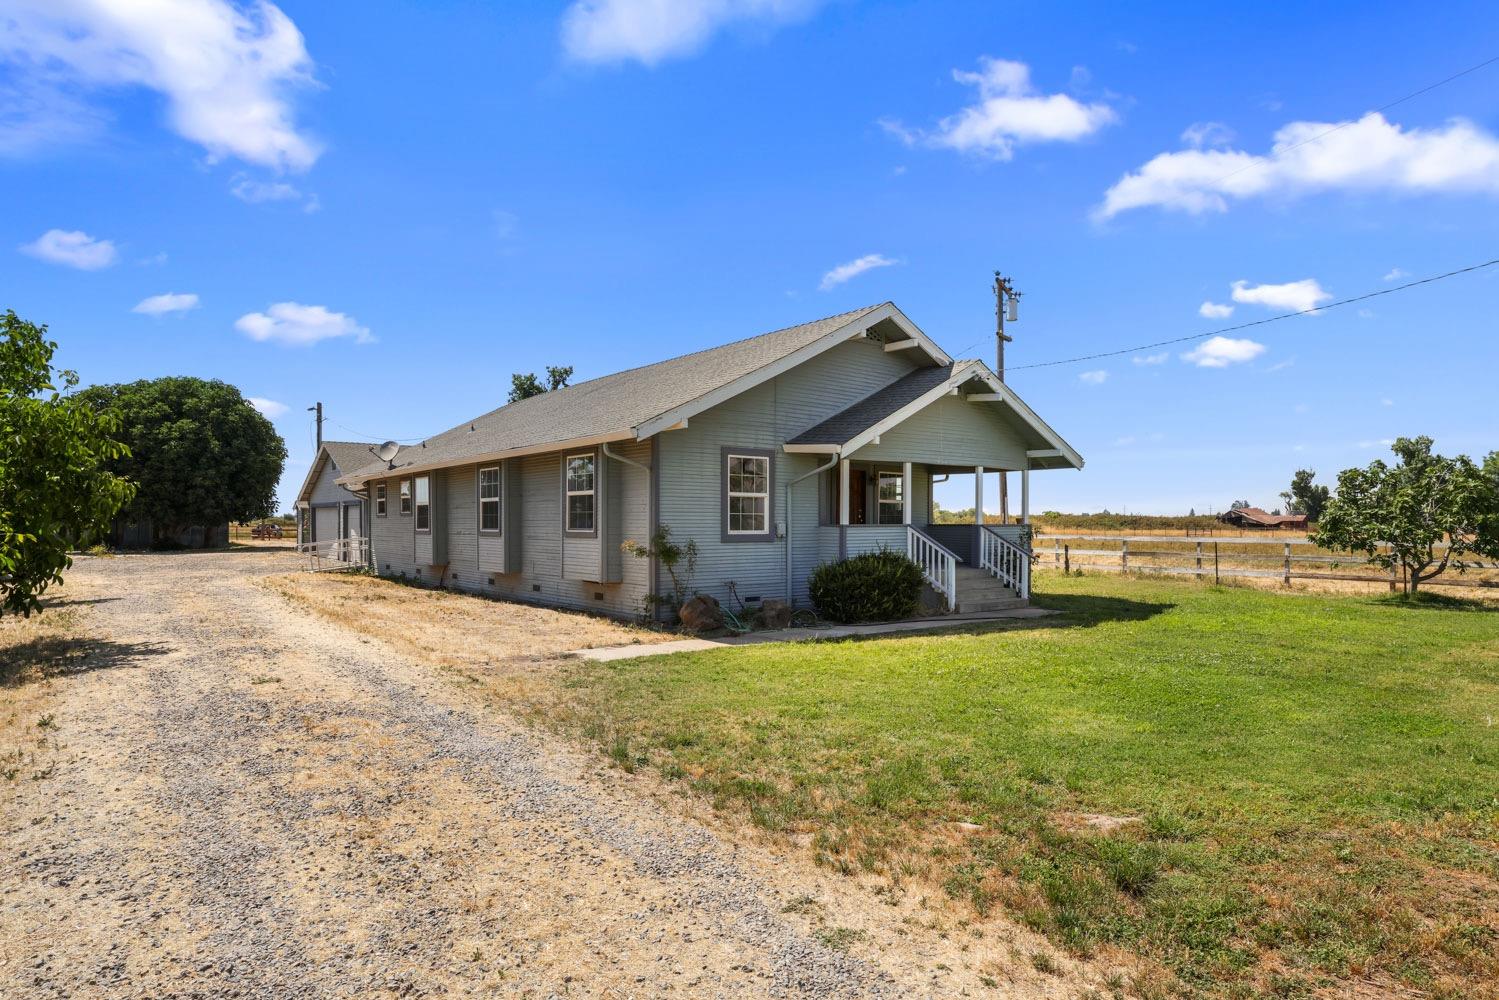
{"type": "Point", "coordinates": [1124, 555]}
{"type": "Point", "coordinates": [1215, 562]}
{"type": "Point", "coordinates": [1067, 560]}
{"type": "Point", "coordinates": [1199, 560]}
{"type": "Point", "coordinates": [1288, 564]}
{"type": "Point", "coordinates": [1057, 551]}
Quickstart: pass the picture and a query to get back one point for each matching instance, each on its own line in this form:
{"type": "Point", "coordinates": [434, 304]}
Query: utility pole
{"type": "Point", "coordinates": [1006, 300]}
{"type": "Point", "coordinates": [319, 410]}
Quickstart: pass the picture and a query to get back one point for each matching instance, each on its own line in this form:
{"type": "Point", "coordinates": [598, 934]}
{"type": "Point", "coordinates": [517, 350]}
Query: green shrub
{"type": "Point", "coordinates": [874, 587]}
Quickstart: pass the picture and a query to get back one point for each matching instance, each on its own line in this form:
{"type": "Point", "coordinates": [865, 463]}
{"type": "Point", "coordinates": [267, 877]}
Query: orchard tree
{"type": "Point", "coordinates": [199, 452]}
{"type": "Point", "coordinates": [1401, 514]}
{"type": "Point", "coordinates": [55, 490]}
{"type": "Point", "coordinates": [524, 385]}
{"type": "Point", "coordinates": [1305, 497]}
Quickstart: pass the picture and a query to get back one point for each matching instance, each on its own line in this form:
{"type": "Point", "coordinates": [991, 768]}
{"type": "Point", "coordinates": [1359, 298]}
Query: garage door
{"type": "Point", "coordinates": [325, 527]}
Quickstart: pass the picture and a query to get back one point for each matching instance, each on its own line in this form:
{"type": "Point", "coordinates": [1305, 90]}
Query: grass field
{"type": "Point", "coordinates": [1302, 792]}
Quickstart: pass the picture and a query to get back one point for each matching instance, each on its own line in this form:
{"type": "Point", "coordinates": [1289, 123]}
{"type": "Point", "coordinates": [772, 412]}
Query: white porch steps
{"type": "Point", "coordinates": [979, 591]}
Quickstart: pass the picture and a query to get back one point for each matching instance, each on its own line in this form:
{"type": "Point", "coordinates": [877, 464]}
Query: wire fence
{"type": "Point", "coordinates": [1248, 558]}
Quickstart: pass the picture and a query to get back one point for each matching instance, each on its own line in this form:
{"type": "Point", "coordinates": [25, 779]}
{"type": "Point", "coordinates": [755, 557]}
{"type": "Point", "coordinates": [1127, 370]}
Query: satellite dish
{"type": "Point", "coordinates": [387, 451]}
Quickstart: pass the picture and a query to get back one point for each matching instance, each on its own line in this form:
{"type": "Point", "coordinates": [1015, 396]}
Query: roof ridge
{"type": "Point", "coordinates": [652, 364]}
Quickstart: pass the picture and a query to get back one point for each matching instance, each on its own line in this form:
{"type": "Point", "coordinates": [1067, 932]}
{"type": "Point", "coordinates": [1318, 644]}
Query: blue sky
{"type": "Point", "coordinates": [391, 207]}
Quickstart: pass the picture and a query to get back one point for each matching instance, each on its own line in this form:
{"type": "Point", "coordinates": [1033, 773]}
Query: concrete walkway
{"type": "Point", "coordinates": [605, 654]}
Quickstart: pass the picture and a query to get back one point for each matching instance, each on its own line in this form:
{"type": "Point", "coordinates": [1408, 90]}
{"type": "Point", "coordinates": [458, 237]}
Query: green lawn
{"type": "Point", "coordinates": [1317, 778]}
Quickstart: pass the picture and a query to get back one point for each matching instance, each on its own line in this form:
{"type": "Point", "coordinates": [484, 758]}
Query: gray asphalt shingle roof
{"type": "Point", "coordinates": [844, 426]}
{"type": "Point", "coordinates": [612, 403]}
{"type": "Point", "coordinates": [349, 455]}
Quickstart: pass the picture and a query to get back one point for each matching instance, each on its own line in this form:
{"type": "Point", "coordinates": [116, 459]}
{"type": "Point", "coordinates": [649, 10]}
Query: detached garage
{"type": "Point", "coordinates": [327, 512]}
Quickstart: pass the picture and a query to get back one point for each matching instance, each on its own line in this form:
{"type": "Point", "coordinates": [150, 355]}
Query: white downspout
{"type": "Point", "coordinates": [605, 450]}
{"type": "Point", "coordinates": [821, 468]}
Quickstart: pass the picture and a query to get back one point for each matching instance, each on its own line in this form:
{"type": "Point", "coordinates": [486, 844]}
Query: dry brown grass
{"type": "Point", "coordinates": [500, 642]}
{"type": "Point", "coordinates": [34, 652]}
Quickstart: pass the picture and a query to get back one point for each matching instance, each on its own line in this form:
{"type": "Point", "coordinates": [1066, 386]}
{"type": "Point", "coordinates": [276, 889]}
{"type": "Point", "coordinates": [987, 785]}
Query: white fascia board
{"type": "Point", "coordinates": [851, 330]}
{"type": "Point", "coordinates": [417, 468]}
{"type": "Point", "coordinates": [1029, 415]}
{"type": "Point", "coordinates": [1045, 453]}
{"type": "Point", "coordinates": [902, 345]}
{"type": "Point", "coordinates": [315, 471]}
{"type": "Point", "coordinates": [960, 375]}
{"type": "Point", "coordinates": [810, 449]}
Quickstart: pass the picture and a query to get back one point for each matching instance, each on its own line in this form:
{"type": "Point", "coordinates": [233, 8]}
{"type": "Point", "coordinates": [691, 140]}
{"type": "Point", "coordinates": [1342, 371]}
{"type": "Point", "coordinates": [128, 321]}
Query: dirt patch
{"type": "Point", "coordinates": [449, 629]}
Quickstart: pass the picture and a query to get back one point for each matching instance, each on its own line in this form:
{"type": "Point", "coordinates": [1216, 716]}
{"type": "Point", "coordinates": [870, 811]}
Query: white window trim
{"type": "Point", "coordinates": [733, 493]}
{"type": "Point", "coordinates": [880, 503]}
{"type": "Point", "coordinates": [417, 505]}
{"type": "Point", "coordinates": [404, 492]}
{"type": "Point", "coordinates": [568, 493]}
{"type": "Point", "coordinates": [381, 500]}
{"type": "Point", "coordinates": [498, 500]}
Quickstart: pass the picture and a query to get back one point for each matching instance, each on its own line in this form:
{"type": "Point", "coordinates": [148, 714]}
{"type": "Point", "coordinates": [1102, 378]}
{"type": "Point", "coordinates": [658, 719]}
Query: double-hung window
{"type": "Point", "coordinates": [578, 482]}
{"type": "Point", "coordinates": [379, 499]}
{"type": "Point", "coordinates": [891, 486]}
{"type": "Point", "coordinates": [489, 500]}
{"type": "Point", "coordinates": [405, 497]}
{"type": "Point", "coordinates": [423, 504]}
{"type": "Point", "coordinates": [746, 494]}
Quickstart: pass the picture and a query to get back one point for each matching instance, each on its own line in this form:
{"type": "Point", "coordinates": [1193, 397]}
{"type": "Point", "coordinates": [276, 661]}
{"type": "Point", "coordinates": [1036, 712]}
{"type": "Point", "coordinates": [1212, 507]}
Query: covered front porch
{"type": "Point", "coordinates": [885, 456]}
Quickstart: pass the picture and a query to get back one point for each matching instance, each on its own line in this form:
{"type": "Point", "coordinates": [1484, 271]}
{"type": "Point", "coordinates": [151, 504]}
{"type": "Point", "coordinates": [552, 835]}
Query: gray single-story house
{"type": "Point", "coordinates": [327, 511]}
{"type": "Point", "coordinates": [774, 454]}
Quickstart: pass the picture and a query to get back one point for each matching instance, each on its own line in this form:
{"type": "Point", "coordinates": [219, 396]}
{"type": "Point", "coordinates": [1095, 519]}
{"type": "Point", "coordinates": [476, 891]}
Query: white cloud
{"type": "Point", "coordinates": [72, 248]}
{"type": "Point", "coordinates": [1098, 377]}
{"type": "Point", "coordinates": [269, 407]}
{"type": "Point", "coordinates": [1220, 352]}
{"type": "Point", "coordinates": [1293, 296]}
{"type": "Point", "coordinates": [1124, 442]}
{"type": "Point", "coordinates": [1010, 112]}
{"type": "Point", "coordinates": [1370, 154]}
{"type": "Point", "coordinates": [1386, 402]}
{"type": "Point", "coordinates": [1381, 443]}
{"type": "Point", "coordinates": [649, 31]}
{"type": "Point", "coordinates": [297, 325]}
{"type": "Point", "coordinates": [854, 268]}
{"type": "Point", "coordinates": [1396, 273]}
{"type": "Point", "coordinates": [227, 71]}
{"type": "Point", "coordinates": [171, 302]}
{"type": "Point", "coordinates": [1281, 366]}
{"type": "Point", "coordinates": [1152, 359]}
{"type": "Point", "coordinates": [1215, 310]}
{"type": "Point", "coordinates": [1200, 134]}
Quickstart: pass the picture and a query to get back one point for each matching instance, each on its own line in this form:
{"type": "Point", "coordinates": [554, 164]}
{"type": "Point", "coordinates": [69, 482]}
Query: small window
{"type": "Point", "coordinates": [892, 497]}
{"type": "Point", "coordinates": [578, 482]}
{"type": "Point", "coordinates": [423, 504]}
{"type": "Point", "coordinates": [405, 497]}
{"type": "Point", "coordinates": [748, 494]}
{"type": "Point", "coordinates": [379, 499]}
{"type": "Point", "coordinates": [489, 500]}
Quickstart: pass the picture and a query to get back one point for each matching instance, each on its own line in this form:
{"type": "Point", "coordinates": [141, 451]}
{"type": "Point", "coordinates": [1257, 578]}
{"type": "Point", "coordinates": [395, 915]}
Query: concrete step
{"type": "Point", "coordinates": [970, 606]}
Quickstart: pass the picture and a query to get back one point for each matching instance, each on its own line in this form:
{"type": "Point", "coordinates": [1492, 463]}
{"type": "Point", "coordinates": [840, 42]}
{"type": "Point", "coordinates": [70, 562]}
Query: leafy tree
{"type": "Point", "coordinates": [524, 385]}
{"type": "Point", "coordinates": [199, 452]}
{"type": "Point", "coordinates": [1305, 497]}
{"type": "Point", "coordinates": [1239, 505]}
{"type": "Point", "coordinates": [1398, 515]}
{"type": "Point", "coordinates": [1491, 465]}
{"type": "Point", "coordinates": [54, 489]}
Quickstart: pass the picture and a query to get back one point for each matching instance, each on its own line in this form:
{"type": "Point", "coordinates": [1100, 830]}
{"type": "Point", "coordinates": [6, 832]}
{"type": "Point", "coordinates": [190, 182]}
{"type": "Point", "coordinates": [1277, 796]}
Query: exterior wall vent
{"type": "Point", "coordinates": [536, 587]}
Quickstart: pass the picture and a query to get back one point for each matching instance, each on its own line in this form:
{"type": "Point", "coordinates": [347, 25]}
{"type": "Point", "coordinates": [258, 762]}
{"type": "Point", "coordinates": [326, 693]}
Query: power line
{"type": "Point", "coordinates": [361, 434]}
{"type": "Point", "coordinates": [1259, 322]}
{"type": "Point", "coordinates": [1261, 161]}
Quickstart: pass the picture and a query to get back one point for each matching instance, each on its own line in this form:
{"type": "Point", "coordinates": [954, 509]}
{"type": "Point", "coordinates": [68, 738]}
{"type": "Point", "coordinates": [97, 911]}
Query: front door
{"type": "Point", "coordinates": [858, 483]}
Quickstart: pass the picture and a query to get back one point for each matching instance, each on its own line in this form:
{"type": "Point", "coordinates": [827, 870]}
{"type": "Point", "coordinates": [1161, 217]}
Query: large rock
{"type": "Point", "coordinates": [701, 614]}
{"type": "Point", "coordinates": [775, 613]}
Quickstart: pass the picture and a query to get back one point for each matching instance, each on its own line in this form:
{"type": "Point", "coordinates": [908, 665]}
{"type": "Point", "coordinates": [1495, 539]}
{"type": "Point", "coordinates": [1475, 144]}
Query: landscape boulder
{"type": "Point", "coordinates": [700, 614]}
{"type": "Point", "coordinates": [775, 613]}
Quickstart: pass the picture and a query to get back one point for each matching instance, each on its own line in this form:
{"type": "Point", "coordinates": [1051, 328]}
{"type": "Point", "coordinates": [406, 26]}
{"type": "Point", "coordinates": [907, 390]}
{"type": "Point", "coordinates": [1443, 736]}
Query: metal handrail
{"type": "Point", "coordinates": [939, 564]}
{"type": "Point", "coordinates": [343, 553]}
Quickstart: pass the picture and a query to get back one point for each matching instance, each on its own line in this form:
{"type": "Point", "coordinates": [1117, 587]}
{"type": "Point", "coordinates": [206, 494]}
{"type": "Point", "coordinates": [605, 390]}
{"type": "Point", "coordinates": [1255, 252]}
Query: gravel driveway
{"type": "Point", "coordinates": [255, 804]}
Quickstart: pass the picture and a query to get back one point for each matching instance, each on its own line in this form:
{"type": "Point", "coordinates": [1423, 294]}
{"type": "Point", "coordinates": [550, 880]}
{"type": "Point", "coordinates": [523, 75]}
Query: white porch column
{"type": "Point", "coordinates": [843, 492]}
{"type": "Point", "coordinates": [978, 494]}
{"type": "Point", "coordinates": [1025, 495]}
{"type": "Point", "coordinates": [905, 493]}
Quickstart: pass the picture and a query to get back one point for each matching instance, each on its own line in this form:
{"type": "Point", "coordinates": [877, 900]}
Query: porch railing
{"type": "Point", "coordinates": [335, 553]}
{"type": "Point", "coordinates": [938, 564]}
{"type": "Point", "coordinates": [1006, 561]}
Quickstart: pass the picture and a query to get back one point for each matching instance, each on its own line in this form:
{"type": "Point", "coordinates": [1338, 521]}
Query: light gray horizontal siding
{"type": "Point", "coordinates": [952, 432]}
{"type": "Point", "coordinates": [325, 489]}
{"type": "Point", "coordinates": [764, 417]}
{"type": "Point", "coordinates": [871, 538]}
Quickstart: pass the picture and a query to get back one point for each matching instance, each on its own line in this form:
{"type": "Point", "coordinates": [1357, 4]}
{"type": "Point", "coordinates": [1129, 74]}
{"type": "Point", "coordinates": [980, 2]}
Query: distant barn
{"type": "Point", "coordinates": [1254, 517]}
